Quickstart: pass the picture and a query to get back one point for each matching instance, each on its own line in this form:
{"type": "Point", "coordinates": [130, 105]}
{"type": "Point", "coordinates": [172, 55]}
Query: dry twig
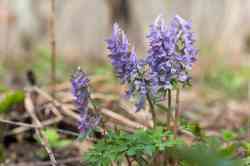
{"type": "Point", "coordinates": [26, 125]}
{"type": "Point", "coordinates": [44, 141]}
{"type": "Point", "coordinates": [121, 119]}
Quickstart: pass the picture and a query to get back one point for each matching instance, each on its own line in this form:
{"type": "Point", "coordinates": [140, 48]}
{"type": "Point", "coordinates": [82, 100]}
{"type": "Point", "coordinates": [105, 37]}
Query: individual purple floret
{"type": "Point", "coordinates": [80, 84]}
{"type": "Point", "coordinates": [171, 54]}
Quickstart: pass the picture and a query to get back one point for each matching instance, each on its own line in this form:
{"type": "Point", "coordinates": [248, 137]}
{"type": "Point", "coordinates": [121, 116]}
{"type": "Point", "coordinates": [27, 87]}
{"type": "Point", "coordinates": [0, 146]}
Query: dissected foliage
{"type": "Point", "coordinates": [141, 146]}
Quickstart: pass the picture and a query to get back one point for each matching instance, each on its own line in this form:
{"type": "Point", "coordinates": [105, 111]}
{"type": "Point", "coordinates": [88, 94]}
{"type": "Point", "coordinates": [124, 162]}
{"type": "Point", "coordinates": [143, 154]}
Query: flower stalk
{"type": "Point", "coordinates": [169, 108]}
{"type": "Point", "coordinates": [177, 112]}
{"type": "Point", "coordinates": [152, 110]}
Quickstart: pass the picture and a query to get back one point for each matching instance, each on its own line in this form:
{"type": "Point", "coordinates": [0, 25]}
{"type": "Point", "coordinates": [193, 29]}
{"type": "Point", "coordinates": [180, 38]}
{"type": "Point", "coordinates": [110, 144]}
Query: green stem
{"type": "Point", "coordinates": [151, 109]}
{"type": "Point", "coordinates": [169, 111]}
{"type": "Point", "coordinates": [95, 110]}
{"type": "Point", "coordinates": [169, 108]}
{"type": "Point", "coordinates": [177, 110]}
{"type": "Point", "coordinates": [93, 103]}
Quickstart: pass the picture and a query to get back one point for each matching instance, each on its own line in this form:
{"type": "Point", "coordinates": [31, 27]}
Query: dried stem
{"type": "Point", "coordinates": [128, 160]}
{"type": "Point", "coordinates": [121, 119]}
{"type": "Point", "coordinates": [44, 141]}
{"type": "Point", "coordinates": [68, 111]}
{"type": "Point", "coordinates": [52, 43]}
{"type": "Point", "coordinates": [26, 125]}
{"type": "Point", "coordinates": [31, 126]}
{"type": "Point", "coordinates": [169, 108]}
{"type": "Point", "coordinates": [151, 109]}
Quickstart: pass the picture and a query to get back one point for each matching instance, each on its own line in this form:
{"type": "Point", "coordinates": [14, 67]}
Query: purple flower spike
{"type": "Point", "coordinates": [88, 122]}
{"type": "Point", "coordinates": [172, 52]}
{"type": "Point", "coordinates": [80, 84]}
{"type": "Point", "coordinates": [126, 65]}
{"type": "Point", "coordinates": [80, 91]}
{"type": "Point", "coordinates": [170, 56]}
{"type": "Point", "coordinates": [118, 43]}
{"type": "Point", "coordinates": [123, 61]}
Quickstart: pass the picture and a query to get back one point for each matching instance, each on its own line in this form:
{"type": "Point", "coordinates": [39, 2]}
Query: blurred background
{"type": "Point", "coordinates": [222, 29]}
{"type": "Point", "coordinates": [217, 101]}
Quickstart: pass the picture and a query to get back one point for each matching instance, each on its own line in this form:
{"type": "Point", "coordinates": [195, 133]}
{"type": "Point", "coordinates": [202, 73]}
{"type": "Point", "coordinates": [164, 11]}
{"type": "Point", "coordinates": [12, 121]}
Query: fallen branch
{"type": "Point", "coordinates": [121, 119]}
{"type": "Point", "coordinates": [47, 163]}
{"type": "Point", "coordinates": [26, 125]}
{"type": "Point", "coordinates": [44, 141]}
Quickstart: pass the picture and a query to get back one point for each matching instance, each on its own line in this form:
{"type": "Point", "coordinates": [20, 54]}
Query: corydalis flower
{"type": "Point", "coordinates": [124, 62]}
{"type": "Point", "coordinates": [172, 52]}
{"type": "Point", "coordinates": [126, 65]}
{"type": "Point", "coordinates": [80, 84]}
{"type": "Point", "coordinates": [88, 122]}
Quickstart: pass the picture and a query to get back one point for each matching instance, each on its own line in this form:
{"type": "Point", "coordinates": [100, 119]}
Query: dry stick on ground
{"type": "Point", "coordinates": [64, 108]}
{"type": "Point", "coordinates": [52, 41]}
{"type": "Point", "coordinates": [140, 117]}
{"type": "Point", "coordinates": [26, 125]}
{"type": "Point", "coordinates": [44, 141]}
{"type": "Point", "coordinates": [47, 163]}
{"type": "Point", "coordinates": [24, 128]}
{"type": "Point", "coordinates": [121, 119]}
{"type": "Point", "coordinates": [69, 112]}
{"type": "Point", "coordinates": [48, 122]}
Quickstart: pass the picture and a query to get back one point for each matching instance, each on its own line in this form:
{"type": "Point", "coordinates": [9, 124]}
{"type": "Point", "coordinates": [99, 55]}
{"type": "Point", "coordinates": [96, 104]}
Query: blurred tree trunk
{"type": "Point", "coordinates": [120, 12]}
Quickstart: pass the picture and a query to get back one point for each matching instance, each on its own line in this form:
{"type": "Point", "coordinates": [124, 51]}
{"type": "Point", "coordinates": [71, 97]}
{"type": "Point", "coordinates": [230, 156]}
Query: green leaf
{"type": "Point", "coordinates": [10, 100]}
{"type": "Point", "coordinates": [246, 161]}
{"type": "Point", "coordinates": [52, 135]}
{"type": "Point", "coordinates": [131, 152]}
{"type": "Point", "coordinates": [149, 149]}
{"type": "Point", "coordinates": [54, 139]}
{"type": "Point", "coordinates": [202, 154]}
{"type": "Point", "coordinates": [228, 135]}
{"type": "Point", "coordinates": [229, 150]}
{"type": "Point", "coordinates": [63, 143]}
